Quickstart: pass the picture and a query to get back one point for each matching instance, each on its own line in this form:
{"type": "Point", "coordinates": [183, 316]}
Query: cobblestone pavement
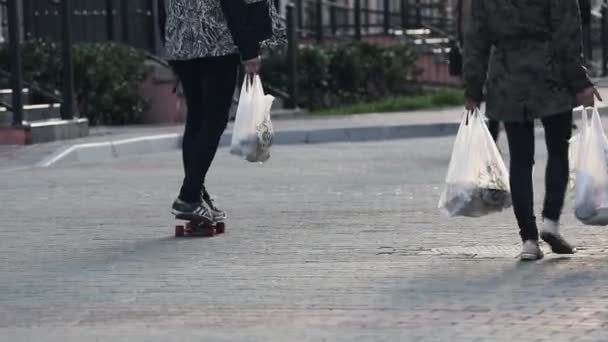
{"type": "Point", "coordinates": [338, 242]}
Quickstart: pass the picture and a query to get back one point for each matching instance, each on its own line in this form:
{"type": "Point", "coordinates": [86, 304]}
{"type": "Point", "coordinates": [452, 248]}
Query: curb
{"type": "Point", "coordinates": [96, 152]}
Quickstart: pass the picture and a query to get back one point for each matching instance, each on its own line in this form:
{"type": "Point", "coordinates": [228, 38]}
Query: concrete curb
{"type": "Point", "coordinates": [96, 152]}
{"type": "Point", "coordinates": [93, 152]}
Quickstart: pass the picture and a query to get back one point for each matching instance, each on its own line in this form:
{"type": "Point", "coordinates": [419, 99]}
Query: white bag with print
{"type": "Point", "coordinates": [477, 182]}
{"type": "Point", "coordinates": [591, 182]}
{"type": "Point", "coordinates": [253, 135]}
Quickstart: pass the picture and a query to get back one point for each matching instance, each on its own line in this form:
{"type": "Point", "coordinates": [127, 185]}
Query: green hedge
{"type": "Point", "coordinates": [108, 77]}
{"type": "Point", "coordinates": [330, 76]}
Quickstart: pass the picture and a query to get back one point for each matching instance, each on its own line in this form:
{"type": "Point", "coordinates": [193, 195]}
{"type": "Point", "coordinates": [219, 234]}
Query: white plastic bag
{"type": "Point", "coordinates": [477, 182]}
{"type": "Point", "coordinates": [591, 183]}
{"type": "Point", "coordinates": [252, 135]}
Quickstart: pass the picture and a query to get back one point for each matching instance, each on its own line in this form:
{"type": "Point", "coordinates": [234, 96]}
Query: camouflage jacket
{"type": "Point", "coordinates": [528, 54]}
{"type": "Point", "coordinates": [210, 28]}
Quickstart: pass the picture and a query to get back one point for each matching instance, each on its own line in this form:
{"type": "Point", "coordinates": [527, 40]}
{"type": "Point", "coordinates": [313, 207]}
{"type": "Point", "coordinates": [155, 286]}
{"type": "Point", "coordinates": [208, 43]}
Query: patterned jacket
{"type": "Point", "coordinates": [210, 28]}
{"type": "Point", "coordinates": [535, 67]}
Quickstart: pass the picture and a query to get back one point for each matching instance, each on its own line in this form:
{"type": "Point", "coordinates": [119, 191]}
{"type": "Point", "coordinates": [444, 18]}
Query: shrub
{"type": "Point", "coordinates": [107, 76]}
{"type": "Point", "coordinates": [330, 76]}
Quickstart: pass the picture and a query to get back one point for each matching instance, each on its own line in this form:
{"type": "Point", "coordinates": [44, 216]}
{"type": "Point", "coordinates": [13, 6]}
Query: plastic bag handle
{"type": "Point", "coordinates": [585, 115]}
{"type": "Point", "coordinates": [471, 114]}
{"type": "Point", "coordinates": [250, 80]}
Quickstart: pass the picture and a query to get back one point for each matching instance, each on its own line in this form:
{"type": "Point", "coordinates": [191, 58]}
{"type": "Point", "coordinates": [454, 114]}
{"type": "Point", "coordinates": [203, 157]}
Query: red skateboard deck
{"type": "Point", "coordinates": [198, 229]}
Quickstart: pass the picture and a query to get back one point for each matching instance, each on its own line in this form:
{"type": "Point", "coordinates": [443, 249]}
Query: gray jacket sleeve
{"type": "Point", "coordinates": [477, 48]}
{"type": "Point", "coordinates": [567, 43]}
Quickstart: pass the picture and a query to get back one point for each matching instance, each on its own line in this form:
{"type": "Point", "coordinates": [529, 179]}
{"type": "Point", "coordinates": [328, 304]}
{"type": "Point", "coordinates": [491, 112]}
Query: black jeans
{"type": "Point", "coordinates": [558, 129]}
{"type": "Point", "coordinates": [494, 127]}
{"type": "Point", "coordinates": [208, 85]}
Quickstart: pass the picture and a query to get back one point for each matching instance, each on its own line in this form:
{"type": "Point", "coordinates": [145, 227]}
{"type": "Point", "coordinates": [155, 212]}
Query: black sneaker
{"type": "Point", "coordinates": [192, 211]}
{"type": "Point", "coordinates": [218, 214]}
{"type": "Point", "coordinates": [558, 244]}
{"type": "Point", "coordinates": [551, 235]}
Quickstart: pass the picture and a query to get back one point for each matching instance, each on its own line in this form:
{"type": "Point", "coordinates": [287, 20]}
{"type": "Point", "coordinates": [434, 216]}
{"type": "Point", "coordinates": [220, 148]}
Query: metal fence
{"type": "Point", "coordinates": [134, 21]}
{"type": "Point", "coordinates": [3, 22]}
{"type": "Point", "coordinates": [357, 18]}
{"type": "Point", "coordinates": [130, 21]}
{"type": "Point", "coordinates": [15, 73]}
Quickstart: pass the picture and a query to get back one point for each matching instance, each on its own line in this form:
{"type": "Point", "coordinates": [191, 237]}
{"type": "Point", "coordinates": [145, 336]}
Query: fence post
{"type": "Point", "coordinates": [605, 38]}
{"type": "Point", "coordinates": [387, 16]}
{"type": "Point", "coordinates": [358, 19]}
{"type": "Point", "coordinates": [300, 15]}
{"type": "Point", "coordinates": [124, 14]}
{"type": "Point", "coordinates": [292, 55]}
{"type": "Point", "coordinates": [333, 18]}
{"type": "Point", "coordinates": [319, 21]}
{"type": "Point", "coordinates": [110, 19]}
{"type": "Point", "coordinates": [14, 37]}
{"type": "Point", "coordinates": [155, 38]}
{"type": "Point", "coordinates": [67, 107]}
{"type": "Point", "coordinates": [405, 15]}
{"type": "Point", "coordinates": [418, 8]}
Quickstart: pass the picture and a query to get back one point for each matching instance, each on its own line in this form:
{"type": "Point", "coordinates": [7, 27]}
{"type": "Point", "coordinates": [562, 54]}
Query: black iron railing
{"type": "Point", "coordinates": [358, 18]}
{"type": "Point", "coordinates": [15, 72]}
{"type": "Point", "coordinates": [16, 75]}
{"type": "Point", "coordinates": [132, 22]}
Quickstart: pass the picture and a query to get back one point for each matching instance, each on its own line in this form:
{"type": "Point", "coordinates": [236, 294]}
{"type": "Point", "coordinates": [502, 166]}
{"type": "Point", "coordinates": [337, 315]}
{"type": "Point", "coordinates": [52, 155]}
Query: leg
{"type": "Point", "coordinates": [521, 146]}
{"type": "Point", "coordinates": [558, 129]}
{"type": "Point", "coordinates": [494, 127]}
{"type": "Point", "coordinates": [189, 74]}
{"type": "Point", "coordinates": [219, 84]}
{"type": "Point", "coordinates": [209, 88]}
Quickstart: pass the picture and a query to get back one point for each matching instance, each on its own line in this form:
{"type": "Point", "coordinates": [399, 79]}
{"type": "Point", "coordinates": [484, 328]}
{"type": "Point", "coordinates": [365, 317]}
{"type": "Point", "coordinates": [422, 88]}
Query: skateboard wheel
{"type": "Point", "coordinates": [205, 231]}
{"type": "Point", "coordinates": [200, 230]}
{"type": "Point", "coordinates": [208, 231]}
{"type": "Point", "coordinates": [220, 228]}
{"type": "Point", "coordinates": [179, 231]}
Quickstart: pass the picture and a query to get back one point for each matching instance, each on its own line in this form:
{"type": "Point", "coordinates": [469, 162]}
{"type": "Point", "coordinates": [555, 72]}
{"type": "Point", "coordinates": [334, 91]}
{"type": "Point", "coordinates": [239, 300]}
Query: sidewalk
{"type": "Point", "coordinates": [110, 142]}
{"type": "Point", "coordinates": [332, 242]}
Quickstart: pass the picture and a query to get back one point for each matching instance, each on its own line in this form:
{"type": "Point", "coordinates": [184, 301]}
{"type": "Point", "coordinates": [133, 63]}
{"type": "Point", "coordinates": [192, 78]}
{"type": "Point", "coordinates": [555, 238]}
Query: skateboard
{"type": "Point", "coordinates": [200, 229]}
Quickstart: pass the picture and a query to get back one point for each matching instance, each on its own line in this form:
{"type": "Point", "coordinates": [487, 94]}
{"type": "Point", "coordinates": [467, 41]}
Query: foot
{"type": "Point", "coordinates": [218, 214]}
{"type": "Point", "coordinates": [531, 251]}
{"type": "Point", "coordinates": [199, 212]}
{"type": "Point", "coordinates": [550, 234]}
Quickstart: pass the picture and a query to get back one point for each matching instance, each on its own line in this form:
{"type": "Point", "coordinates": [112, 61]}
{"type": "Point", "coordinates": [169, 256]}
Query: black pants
{"type": "Point", "coordinates": [494, 128]}
{"type": "Point", "coordinates": [208, 85]}
{"type": "Point", "coordinates": [558, 129]}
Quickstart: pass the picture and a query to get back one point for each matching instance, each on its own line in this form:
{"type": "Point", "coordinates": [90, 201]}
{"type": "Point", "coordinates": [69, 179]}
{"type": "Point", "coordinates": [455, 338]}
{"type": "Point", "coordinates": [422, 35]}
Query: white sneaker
{"type": "Point", "coordinates": [531, 251]}
{"type": "Point", "coordinates": [551, 235]}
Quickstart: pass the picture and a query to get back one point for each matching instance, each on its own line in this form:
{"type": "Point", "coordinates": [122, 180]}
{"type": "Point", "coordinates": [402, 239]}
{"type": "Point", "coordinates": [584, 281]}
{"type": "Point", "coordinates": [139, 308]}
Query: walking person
{"type": "Point", "coordinates": [462, 16]}
{"type": "Point", "coordinates": [205, 42]}
{"type": "Point", "coordinates": [536, 71]}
